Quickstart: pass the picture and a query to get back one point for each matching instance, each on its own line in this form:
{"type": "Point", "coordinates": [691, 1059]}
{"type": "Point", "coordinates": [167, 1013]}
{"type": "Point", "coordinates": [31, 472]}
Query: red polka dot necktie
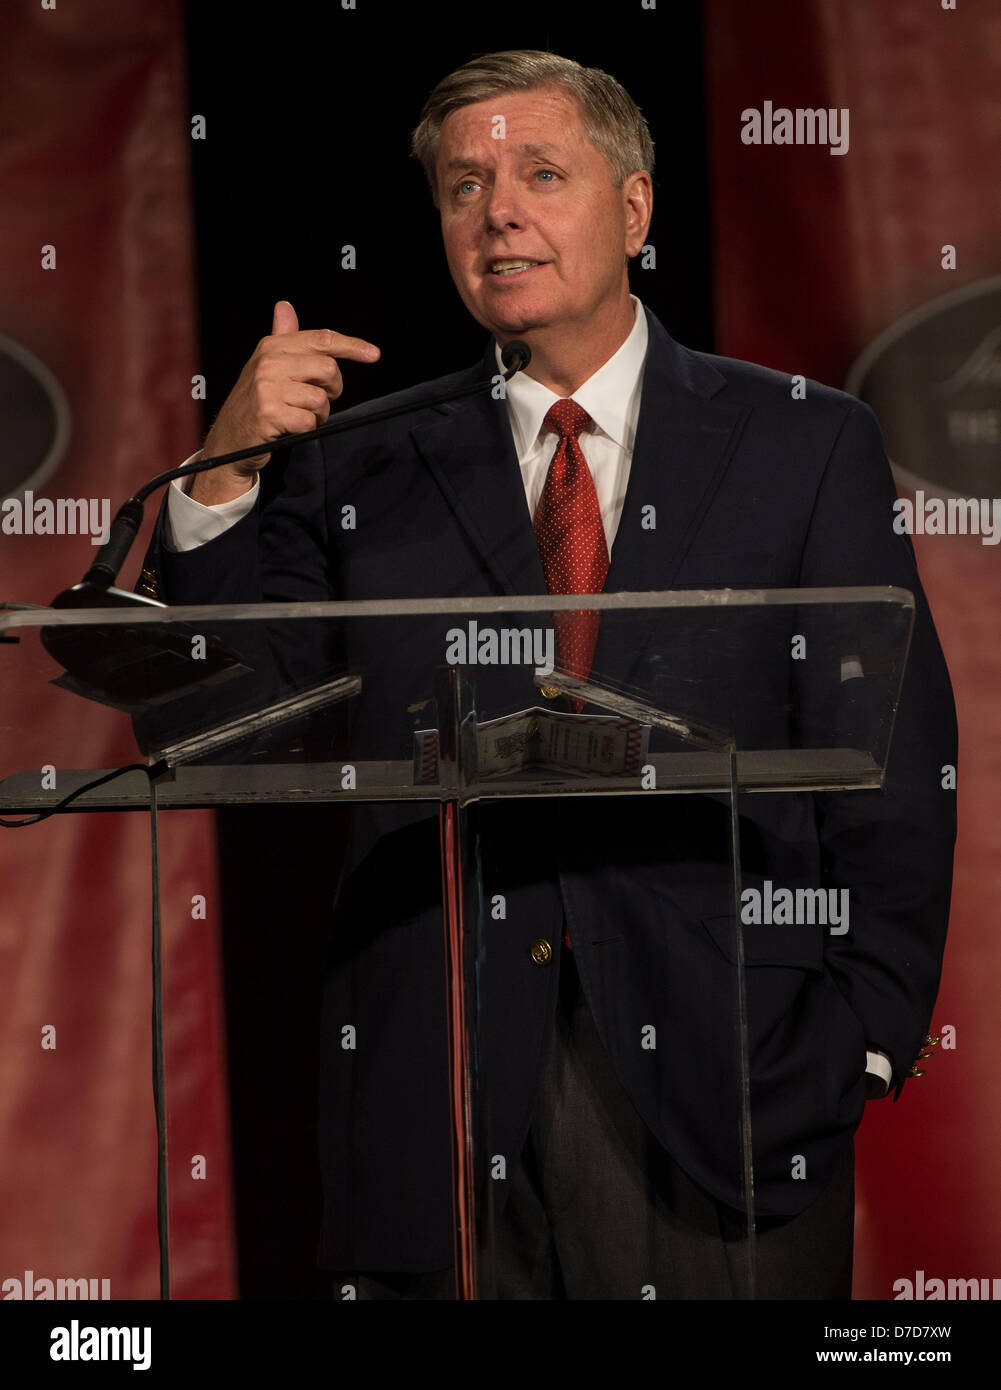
{"type": "Point", "coordinates": [572, 544]}
{"type": "Point", "coordinates": [571, 538]}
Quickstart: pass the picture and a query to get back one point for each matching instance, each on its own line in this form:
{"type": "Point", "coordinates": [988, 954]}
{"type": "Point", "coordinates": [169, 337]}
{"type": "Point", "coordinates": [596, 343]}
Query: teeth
{"type": "Point", "coordinates": [509, 267]}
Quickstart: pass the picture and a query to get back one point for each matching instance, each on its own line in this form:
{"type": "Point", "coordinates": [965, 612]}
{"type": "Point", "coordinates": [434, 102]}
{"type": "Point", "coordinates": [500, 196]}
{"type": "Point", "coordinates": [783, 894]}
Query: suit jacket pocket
{"type": "Point", "coordinates": [800, 947]}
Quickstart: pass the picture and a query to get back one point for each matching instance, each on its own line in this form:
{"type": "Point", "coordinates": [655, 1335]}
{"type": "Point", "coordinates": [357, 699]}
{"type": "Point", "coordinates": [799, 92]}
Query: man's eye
{"type": "Point", "coordinates": [546, 173]}
{"type": "Point", "coordinates": [466, 183]}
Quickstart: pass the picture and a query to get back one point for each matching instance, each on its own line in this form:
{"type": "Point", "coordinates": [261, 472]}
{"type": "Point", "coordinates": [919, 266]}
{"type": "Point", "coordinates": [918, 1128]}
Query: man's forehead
{"type": "Point", "coordinates": [543, 121]}
{"type": "Point", "coordinates": [540, 149]}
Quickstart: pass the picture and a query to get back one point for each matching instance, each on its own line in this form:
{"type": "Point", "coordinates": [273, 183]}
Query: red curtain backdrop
{"type": "Point", "coordinates": [94, 157]}
{"type": "Point", "coordinates": [816, 254]}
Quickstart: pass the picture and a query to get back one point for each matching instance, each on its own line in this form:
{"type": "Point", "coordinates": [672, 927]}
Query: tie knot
{"type": "Point", "coordinates": [567, 419]}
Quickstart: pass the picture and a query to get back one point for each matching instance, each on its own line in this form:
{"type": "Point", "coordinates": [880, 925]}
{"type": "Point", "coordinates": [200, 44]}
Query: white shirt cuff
{"type": "Point", "coordinates": [188, 524]}
{"type": "Point", "coordinates": [878, 1064]}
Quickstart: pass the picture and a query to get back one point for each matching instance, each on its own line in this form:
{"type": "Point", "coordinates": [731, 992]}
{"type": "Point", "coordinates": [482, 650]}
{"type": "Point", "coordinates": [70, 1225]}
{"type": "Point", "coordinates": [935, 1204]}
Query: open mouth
{"type": "Point", "coordinates": [513, 267]}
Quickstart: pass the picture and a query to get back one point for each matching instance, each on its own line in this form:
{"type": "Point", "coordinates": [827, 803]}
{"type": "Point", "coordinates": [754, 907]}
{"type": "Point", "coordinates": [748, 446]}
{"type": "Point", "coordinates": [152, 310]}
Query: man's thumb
{"type": "Point", "coordinates": [284, 320]}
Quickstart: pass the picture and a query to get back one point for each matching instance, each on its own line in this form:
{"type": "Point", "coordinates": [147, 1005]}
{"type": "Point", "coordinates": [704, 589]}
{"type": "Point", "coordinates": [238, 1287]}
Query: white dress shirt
{"type": "Point", "coordinates": [612, 399]}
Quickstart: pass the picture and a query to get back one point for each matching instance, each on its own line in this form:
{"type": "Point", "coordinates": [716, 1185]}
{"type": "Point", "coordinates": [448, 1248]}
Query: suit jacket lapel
{"type": "Point", "coordinates": [679, 456]}
{"type": "Point", "coordinates": [470, 450]}
{"type": "Point", "coordinates": [685, 439]}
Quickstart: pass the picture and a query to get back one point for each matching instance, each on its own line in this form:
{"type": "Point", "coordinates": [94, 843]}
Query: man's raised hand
{"type": "Point", "coordinates": [286, 387]}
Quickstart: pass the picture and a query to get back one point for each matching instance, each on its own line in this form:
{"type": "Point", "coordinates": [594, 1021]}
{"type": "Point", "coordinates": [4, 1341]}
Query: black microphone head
{"type": "Point", "coordinates": [516, 354]}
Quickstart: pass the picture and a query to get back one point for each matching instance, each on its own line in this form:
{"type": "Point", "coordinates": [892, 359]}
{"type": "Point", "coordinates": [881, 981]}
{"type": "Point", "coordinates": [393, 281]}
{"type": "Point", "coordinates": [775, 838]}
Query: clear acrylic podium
{"type": "Point", "coordinates": [659, 819]}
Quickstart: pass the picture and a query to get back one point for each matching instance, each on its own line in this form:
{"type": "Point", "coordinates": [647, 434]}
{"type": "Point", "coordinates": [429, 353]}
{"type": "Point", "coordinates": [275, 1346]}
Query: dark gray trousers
{"type": "Point", "coordinates": [598, 1210]}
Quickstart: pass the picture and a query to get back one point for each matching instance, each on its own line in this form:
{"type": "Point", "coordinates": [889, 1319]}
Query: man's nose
{"type": "Point", "coordinates": [504, 207]}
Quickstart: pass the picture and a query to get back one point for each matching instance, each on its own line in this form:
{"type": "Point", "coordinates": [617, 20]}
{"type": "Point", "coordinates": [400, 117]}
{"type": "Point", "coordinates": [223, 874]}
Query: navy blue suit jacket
{"type": "Point", "coordinates": [752, 489]}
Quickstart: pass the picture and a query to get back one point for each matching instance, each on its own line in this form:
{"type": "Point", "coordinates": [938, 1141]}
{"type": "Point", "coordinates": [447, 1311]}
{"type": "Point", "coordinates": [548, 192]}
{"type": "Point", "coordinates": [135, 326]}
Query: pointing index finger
{"type": "Point", "coordinates": [339, 345]}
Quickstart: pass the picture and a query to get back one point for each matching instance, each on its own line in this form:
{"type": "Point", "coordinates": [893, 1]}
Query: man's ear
{"type": "Point", "coordinates": [637, 195]}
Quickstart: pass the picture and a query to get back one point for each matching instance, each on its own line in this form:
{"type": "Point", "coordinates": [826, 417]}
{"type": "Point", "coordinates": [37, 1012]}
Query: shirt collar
{"type": "Point", "coordinates": [606, 396]}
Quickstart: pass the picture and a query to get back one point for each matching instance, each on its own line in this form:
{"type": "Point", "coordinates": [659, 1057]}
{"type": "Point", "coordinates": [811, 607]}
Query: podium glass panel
{"type": "Point", "coordinates": [578, 916]}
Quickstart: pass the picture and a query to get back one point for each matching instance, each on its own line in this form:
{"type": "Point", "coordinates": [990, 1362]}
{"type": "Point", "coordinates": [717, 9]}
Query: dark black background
{"type": "Point", "coordinates": [308, 127]}
{"type": "Point", "coordinates": [308, 116]}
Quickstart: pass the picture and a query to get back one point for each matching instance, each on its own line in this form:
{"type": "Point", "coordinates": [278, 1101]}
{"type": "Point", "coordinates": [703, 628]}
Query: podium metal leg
{"type": "Point", "coordinates": [460, 1100]}
{"type": "Point", "coordinates": [159, 1076]}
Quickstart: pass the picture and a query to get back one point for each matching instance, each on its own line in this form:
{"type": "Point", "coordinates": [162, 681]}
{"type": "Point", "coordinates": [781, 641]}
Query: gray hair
{"type": "Point", "coordinates": [611, 119]}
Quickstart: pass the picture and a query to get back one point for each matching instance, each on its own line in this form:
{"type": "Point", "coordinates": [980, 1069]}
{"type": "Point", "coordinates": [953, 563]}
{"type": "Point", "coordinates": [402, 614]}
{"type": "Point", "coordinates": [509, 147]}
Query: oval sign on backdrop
{"type": "Point", "coordinates": [934, 380]}
{"type": "Point", "coordinates": [34, 420]}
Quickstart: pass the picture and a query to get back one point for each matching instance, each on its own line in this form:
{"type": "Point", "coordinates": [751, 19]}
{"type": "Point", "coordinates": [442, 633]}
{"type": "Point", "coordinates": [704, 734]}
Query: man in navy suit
{"type": "Point", "coordinates": [621, 1173]}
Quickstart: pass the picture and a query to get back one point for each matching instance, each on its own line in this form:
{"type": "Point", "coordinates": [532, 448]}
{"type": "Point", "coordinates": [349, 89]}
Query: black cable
{"type": "Point", "coordinates": [152, 771]}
